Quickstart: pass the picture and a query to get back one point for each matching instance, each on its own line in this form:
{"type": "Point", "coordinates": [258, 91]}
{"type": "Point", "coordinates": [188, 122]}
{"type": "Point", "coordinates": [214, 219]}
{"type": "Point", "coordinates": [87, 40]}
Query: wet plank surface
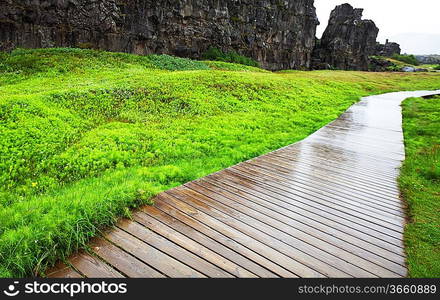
{"type": "Point", "coordinates": [327, 206]}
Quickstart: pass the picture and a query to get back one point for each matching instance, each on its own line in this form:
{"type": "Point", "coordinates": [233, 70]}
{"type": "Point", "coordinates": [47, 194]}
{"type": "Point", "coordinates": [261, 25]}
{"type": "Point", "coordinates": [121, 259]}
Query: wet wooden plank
{"type": "Point", "coordinates": [192, 246]}
{"type": "Point", "coordinates": [371, 188]}
{"type": "Point", "coordinates": [173, 250]}
{"type": "Point", "coordinates": [254, 261]}
{"type": "Point", "coordinates": [295, 204]}
{"type": "Point", "coordinates": [152, 256]}
{"type": "Point", "coordinates": [93, 267]}
{"type": "Point", "coordinates": [297, 213]}
{"type": "Point", "coordinates": [295, 234]}
{"type": "Point", "coordinates": [252, 229]}
{"type": "Point", "coordinates": [322, 235]}
{"type": "Point", "coordinates": [343, 210]}
{"type": "Point", "coordinates": [334, 191]}
{"type": "Point", "coordinates": [121, 260]}
{"type": "Point", "coordinates": [244, 264]}
{"type": "Point", "coordinates": [61, 270]}
{"type": "Point", "coordinates": [283, 166]}
{"type": "Point", "coordinates": [296, 269]}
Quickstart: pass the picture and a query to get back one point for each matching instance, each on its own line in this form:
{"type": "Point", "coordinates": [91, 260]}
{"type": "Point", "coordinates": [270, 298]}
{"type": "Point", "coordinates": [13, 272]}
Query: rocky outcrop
{"type": "Point", "coordinates": [388, 49]}
{"type": "Point", "coordinates": [278, 34]}
{"type": "Point", "coordinates": [348, 40]}
{"type": "Point", "coordinates": [379, 64]}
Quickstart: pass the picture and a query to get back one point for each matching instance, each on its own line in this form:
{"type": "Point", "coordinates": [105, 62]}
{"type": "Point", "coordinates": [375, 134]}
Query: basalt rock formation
{"type": "Point", "coordinates": [278, 34]}
{"type": "Point", "coordinates": [348, 40]}
{"type": "Point", "coordinates": [388, 49]}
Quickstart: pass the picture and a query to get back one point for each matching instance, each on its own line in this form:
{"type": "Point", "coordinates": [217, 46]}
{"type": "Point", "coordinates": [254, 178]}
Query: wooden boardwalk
{"type": "Point", "coordinates": [327, 206]}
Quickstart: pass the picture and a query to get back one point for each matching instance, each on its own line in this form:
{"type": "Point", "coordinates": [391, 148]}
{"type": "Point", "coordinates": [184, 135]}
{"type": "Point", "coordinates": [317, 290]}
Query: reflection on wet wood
{"type": "Point", "coordinates": [327, 206]}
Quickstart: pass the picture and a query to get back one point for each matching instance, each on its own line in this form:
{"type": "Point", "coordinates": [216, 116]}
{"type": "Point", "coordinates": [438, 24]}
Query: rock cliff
{"type": "Point", "coordinates": [348, 40]}
{"type": "Point", "coordinates": [280, 34]}
{"type": "Point", "coordinates": [388, 49]}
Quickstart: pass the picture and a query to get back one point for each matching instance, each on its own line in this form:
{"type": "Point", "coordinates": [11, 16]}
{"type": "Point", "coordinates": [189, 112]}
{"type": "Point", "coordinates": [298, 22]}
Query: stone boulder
{"type": "Point", "coordinates": [408, 69]}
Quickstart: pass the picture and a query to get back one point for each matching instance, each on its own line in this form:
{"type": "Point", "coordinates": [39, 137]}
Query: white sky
{"type": "Point", "coordinates": [413, 24]}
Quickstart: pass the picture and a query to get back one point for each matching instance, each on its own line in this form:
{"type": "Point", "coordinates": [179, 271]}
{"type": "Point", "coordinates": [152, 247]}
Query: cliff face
{"type": "Point", "coordinates": [279, 34]}
{"type": "Point", "coordinates": [348, 40]}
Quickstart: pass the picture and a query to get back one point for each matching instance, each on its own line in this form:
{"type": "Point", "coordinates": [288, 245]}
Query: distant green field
{"type": "Point", "coordinates": [86, 135]}
{"type": "Point", "coordinates": [420, 185]}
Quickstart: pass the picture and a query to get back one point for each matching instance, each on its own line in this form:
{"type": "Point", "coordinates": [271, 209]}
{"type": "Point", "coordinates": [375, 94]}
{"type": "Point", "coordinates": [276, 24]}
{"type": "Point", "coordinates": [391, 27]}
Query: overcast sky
{"type": "Point", "coordinates": [413, 24]}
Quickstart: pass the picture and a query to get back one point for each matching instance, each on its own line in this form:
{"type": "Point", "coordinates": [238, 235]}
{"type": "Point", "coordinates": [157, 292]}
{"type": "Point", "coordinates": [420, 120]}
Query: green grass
{"type": "Point", "coordinates": [409, 59]}
{"type": "Point", "coordinates": [215, 54]}
{"type": "Point", "coordinates": [420, 185]}
{"type": "Point", "coordinates": [225, 66]}
{"type": "Point", "coordinates": [87, 135]}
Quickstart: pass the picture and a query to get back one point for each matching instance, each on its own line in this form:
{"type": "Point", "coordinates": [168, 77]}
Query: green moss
{"type": "Point", "coordinates": [79, 147]}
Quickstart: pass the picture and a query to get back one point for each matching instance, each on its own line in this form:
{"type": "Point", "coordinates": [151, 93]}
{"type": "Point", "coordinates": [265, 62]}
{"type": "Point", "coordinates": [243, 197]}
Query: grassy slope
{"type": "Point", "coordinates": [86, 135]}
{"type": "Point", "coordinates": [420, 184]}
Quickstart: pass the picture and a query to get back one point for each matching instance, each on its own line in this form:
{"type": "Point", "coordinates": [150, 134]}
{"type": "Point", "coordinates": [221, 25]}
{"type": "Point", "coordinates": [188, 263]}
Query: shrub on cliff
{"type": "Point", "coordinates": [232, 57]}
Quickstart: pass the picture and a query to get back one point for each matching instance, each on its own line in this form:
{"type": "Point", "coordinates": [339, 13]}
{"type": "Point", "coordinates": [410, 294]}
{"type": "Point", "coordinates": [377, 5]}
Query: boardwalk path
{"type": "Point", "coordinates": [327, 206]}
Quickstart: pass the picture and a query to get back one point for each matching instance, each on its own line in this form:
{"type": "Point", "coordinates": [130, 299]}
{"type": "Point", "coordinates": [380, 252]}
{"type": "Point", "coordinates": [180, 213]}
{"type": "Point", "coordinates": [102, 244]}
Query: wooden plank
{"type": "Point", "coordinates": [92, 267]}
{"type": "Point", "coordinates": [391, 159]}
{"type": "Point", "coordinates": [284, 169]}
{"type": "Point", "coordinates": [368, 187]}
{"type": "Point", "coordinates": [309, 191]}
{"type": "Point", "coordinates": [256, 259]}
{"type": "Point", "coordinates": [212, 242]}
{"type": "Point", "coordinates": [375, 137]}
{"type": "Point", "coordinates": [151, 256]}
{"type": "Point", "coordinates": [192, 246]}
{"type": "Point", "coordinates": [303, 262]}
{"type": "Point", "coordinates": [292, 201]}
{"type": "Point", "coordinates": [61, 270]}
{"type": "Point", "coordinates": [340, 153]}
{"type": "Point", "coordinates": [273, 255]}
{"type": "Point", "coordinates": [173, 250]}
{"type": "Point", "coordinates": [309, 246]}
{"type": "Point", "coordinates": [311, 154]}
{"type": "Point", "coordinates": [301, 184]}
{"type": "Point", "coordinates": [378, 173]}
{"type": "Point", "coordinates": [389, 149]}
{"type": "Point", "coordinates": [298, 212]}
{"type": "Point", "coordinates": [328, 239]}
{"type": "Point", "coordinates": [300, 234]}
{"type": "Point", "coordinates": [372, 151]}
{"type": "Point", "coordinates": [295, 193]}
{"type": "Point", "coordinates": [331, 190]}
{"type": "Point", "coordinates": [121, 260]}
